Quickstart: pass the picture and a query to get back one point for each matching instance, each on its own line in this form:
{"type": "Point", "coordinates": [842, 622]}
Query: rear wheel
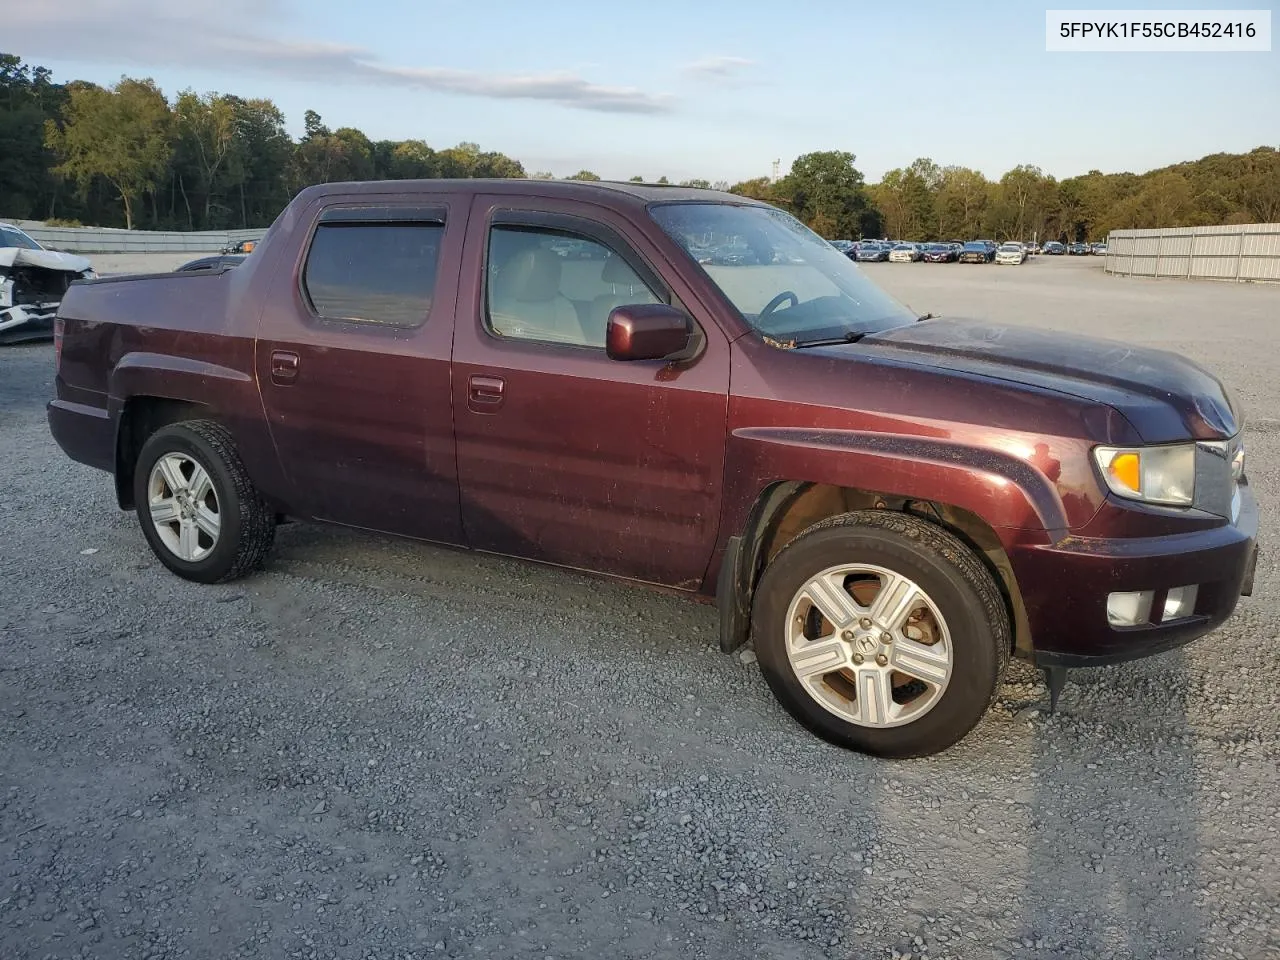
{"type": "Point", "coordinates": [882, 633]}
{"type": "Point", "coordinates": [199, 510]}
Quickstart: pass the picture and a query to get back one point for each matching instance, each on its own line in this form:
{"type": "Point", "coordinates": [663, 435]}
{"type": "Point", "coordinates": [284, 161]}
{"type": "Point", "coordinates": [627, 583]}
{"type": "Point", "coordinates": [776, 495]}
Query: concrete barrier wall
{"type": "Point", "coordinates": [107, 240]}
{"type": "Point", "coordinates": [1240, 252]}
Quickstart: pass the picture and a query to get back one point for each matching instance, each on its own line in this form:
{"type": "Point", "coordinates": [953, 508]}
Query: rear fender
{"type": "Point", "coordinates": [208, 390]}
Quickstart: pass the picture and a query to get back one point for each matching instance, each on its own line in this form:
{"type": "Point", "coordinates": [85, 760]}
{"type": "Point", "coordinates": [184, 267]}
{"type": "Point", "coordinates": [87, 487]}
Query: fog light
{"type": "Point", "coordinates": [1129, 609]}
{"type": "Point", "coordinates": [1181, 602]}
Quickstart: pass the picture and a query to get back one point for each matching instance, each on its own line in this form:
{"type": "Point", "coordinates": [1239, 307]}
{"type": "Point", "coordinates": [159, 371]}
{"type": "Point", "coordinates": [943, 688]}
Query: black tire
{"type": "Point", "coordinates": [945, 568]}
{"type": "Point", "coordinates": [247, 524]}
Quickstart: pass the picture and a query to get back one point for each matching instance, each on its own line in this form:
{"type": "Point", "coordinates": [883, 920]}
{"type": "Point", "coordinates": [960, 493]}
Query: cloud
{"type": "Point", "coordinates": [718, 68]}
{"type": "Point", "coordinates": [155, 33]}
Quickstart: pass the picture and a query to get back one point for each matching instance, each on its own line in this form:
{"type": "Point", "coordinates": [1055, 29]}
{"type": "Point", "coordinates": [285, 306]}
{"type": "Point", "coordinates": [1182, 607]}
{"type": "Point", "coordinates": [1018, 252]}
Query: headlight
{"type": "Point", "coordinates": [1152, 474]}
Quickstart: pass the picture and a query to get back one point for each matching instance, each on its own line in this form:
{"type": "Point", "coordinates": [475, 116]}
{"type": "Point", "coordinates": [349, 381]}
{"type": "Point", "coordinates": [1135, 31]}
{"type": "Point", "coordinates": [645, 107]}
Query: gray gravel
{"type": "Point", "coordinates": [382, 749]}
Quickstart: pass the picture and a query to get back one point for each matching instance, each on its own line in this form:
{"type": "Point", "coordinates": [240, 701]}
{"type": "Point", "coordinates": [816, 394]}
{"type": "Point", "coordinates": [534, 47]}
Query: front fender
{"type": "Point", "coordinates": [1004, 490]}
{"type": "Point", "coordinates": [766, 467]}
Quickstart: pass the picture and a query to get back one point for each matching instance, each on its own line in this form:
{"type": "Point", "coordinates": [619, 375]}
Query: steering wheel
{"type": "Point", "coordinates": [777, 301]}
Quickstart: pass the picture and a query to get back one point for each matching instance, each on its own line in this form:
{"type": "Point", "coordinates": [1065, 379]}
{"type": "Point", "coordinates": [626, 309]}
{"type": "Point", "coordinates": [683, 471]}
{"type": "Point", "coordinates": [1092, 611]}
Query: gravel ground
{"type": "Point", "coordinates": [335, 759]}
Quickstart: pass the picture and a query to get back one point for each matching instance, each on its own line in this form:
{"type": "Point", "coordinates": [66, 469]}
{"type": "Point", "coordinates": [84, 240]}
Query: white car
{"type": "Point", "coordinates": [32, 283]}
{"type": "Point", "coordinates": [1014, 253]}
{"type": "Point", "coordinates": [904, 253]}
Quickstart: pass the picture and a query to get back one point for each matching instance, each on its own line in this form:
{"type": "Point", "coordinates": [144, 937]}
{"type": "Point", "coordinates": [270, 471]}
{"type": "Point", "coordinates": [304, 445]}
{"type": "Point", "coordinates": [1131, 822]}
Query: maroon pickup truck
{"type": "Point", "coordinates": [686, 389]}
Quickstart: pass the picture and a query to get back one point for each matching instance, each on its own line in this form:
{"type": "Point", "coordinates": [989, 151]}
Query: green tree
{"type": "Point", "coordinates": [1025, 202]}
{"type": "Point", "coordinates": [28, 98]}
{"type": "Point", "coordinates": [123, 135]}
{"type": "Point", "coordinates": [827, 184]}
{"type": "Point", "coordinates": [260, 163]}
{"type": "Point", "coordinates": [960, 203]}
{"type": "Point", "coordinates": [583, 175]}
{"type": "Point", "coordinates": [760, 188]}
{"type": "Point", "coordinates": [207, 132]}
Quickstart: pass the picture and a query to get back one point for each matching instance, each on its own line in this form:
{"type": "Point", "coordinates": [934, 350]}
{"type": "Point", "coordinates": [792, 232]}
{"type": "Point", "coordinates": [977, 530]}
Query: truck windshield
{"type": "Point", "coordinates": [786, 281]}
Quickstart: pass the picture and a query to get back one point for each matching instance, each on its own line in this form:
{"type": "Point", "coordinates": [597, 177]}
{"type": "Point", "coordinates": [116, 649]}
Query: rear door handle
{"type": "Point", "coordinates": [284, 366]}
{"type": "Point", "coordinates": [485, 394]}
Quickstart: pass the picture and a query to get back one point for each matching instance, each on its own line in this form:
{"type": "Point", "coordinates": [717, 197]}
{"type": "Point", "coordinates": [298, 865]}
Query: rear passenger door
{"type": "Point", "coordinates": [565, 455]}
{"type": "Point", "coordinates": [353, 363]}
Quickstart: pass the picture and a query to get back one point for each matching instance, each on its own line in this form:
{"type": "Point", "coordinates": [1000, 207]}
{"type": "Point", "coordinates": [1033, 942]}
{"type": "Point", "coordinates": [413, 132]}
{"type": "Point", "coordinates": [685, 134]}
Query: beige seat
{"type": "Point", "coordinates": [625, 288]}
{"type": "Point", "coordinates": [526, 300]}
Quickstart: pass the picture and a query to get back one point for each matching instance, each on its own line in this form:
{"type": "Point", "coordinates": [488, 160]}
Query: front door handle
{"type": "Point", "coordinates": [284, 366]}
{"type": "Point", "coordinates": [485, 393]}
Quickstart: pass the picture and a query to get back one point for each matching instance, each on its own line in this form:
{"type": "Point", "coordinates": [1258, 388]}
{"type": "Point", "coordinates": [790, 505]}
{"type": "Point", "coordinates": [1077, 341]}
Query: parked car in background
{"type": "Point", "coordinates": [844, 246]}
{"type": "Point", "coordinates": [872, 250]}
{"type": "Point", "coordinates": [240, 246]}
{"type": "Point", "coordinates": [33, 281]}
{"type": "Point", "coordinates": [1099, 249]}
{"type": "Point", "coordinates": [940, 253]}
{"type": "Point", "coordinates": [222, 261]}
{"type": "Point", "coordinates": [1078, 249]}
{"type": "Point", "coordinates": [976, 251]}
{"type": "Point", "coordinates": [887, 506]}
{"type": "Point", "coordinates": [904, 253]}
{"type": "Point", "coordinates": [1011, 253]}
{"type": "Point", "coordinates": [1032, 248]}
{"type": "Point", "coordinates": [1055, 249]}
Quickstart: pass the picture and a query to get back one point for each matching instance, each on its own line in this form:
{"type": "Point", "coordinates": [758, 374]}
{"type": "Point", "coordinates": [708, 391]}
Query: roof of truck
{"type": "Point", "coordinates": [599, 189]}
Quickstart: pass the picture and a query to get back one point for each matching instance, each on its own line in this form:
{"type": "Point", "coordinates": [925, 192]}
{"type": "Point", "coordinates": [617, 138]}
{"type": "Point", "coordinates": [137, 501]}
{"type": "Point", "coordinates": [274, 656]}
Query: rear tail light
{"type": "Point", "coordinates": [58, 329]}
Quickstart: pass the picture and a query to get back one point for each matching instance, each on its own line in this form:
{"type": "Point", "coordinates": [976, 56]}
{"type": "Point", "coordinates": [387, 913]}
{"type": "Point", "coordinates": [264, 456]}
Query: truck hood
{"type": "Point", "coordinates": [1166, 397]}
{"type": "Point", "coordinates": [48, 259]}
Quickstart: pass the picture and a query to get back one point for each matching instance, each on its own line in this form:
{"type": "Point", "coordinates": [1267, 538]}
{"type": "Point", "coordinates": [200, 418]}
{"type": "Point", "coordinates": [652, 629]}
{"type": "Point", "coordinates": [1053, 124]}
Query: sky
{"type": "Point", "coordinates": [709, 88]}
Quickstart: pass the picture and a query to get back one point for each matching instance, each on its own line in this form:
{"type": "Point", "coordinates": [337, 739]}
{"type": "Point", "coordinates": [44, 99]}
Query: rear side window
{"type": "Point", "coordinates": [373, 272]}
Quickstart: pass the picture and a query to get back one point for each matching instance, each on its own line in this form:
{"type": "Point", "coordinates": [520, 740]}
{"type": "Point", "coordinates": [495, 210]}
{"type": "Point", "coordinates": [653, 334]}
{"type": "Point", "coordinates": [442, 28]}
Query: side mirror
{"type": "Point", "coordinates": [647, 331]}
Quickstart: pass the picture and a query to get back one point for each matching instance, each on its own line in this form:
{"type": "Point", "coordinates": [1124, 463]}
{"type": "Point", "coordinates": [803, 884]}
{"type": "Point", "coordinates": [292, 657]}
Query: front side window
{"type": "Point", "coordinates": [787, 282]}
{"type": "Point", "coordinates": [556, 287]}
{"type": "Point", "coordinates": [381, 273]}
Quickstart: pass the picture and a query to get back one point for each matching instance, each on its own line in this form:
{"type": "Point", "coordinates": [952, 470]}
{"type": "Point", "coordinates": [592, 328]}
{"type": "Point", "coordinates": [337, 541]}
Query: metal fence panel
{"type": "Point", "coordinates": [108, 240]}
{"type": "Point", "coordinates": [1244, 252]}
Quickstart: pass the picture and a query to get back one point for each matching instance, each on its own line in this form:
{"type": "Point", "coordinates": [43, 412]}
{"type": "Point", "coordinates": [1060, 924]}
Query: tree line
{"type": "Point", "coordinates": [129, 156]}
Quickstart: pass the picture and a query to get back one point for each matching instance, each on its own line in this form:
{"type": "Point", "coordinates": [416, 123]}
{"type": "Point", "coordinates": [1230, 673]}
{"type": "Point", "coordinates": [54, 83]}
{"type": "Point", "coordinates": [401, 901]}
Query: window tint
{"type": "Point", "coordinates": [376, 272]}
{"type": "Point", "coordinates": [555, 286]}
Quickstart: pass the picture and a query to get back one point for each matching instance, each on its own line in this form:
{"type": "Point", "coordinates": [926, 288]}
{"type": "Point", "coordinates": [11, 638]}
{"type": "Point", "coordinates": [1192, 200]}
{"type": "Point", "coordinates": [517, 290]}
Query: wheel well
{"type": "Point", "coordinates": [809, 503]}
{"type": "Point", "coordinates": [140, 418]}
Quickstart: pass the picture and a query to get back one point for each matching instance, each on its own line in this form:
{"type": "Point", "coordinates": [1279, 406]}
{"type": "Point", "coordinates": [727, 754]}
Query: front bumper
{"type": "Point", "coordinates": [1065, 586]}
{"type": "Point", "coordinates": [31, 321]}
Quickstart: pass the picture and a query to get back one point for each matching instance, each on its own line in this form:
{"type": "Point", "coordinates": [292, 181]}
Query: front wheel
{"type": "Point", "coordinates": [882, 633]}
{"type": "Point", "coordinates": [199, 511]}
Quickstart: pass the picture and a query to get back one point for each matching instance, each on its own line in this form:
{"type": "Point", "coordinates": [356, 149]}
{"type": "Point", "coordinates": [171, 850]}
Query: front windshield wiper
{"type": "Point", "coordinates": [927, 316]}
{"type": "Point", "coordinates": [850, 337]}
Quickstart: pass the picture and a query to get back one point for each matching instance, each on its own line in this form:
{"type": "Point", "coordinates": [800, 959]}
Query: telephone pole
{"type": "Point", "coordinates": [777, 166]}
